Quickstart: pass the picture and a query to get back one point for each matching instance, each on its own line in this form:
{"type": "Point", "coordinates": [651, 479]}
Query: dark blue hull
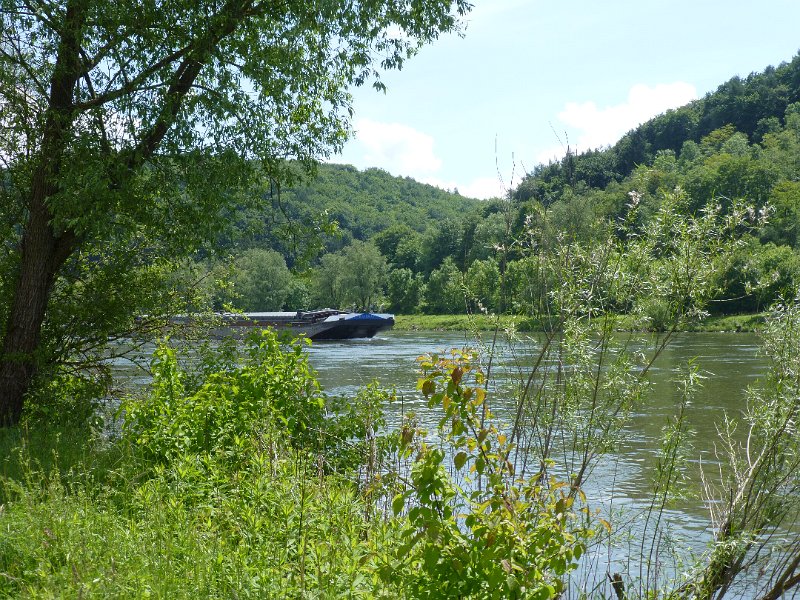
{"type": "Point", "coordinates": [354, 328]}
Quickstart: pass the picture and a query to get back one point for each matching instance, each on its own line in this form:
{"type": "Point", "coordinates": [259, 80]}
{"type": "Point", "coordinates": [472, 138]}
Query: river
{"type": "Point", "coordinates": [728, 362]}
{"type": "Point", "coordinates": [621, 484]}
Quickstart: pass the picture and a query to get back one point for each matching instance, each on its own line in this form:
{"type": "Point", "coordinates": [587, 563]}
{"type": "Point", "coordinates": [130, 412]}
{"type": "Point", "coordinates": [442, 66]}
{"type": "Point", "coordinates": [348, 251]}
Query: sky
{"type": "Point", "coordinates": [530, 77]}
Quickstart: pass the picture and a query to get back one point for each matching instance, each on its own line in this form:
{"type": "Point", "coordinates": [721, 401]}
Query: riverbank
{"type": "Point", "coordinates": [714, 324]}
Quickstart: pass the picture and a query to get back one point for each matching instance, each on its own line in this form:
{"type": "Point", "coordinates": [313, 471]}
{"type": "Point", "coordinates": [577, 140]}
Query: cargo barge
{"type": "Point", "coordinates": [325, 324]}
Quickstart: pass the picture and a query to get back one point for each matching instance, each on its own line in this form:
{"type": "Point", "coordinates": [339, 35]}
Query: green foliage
{"type": "Point", "coordinates": [354, 276]}
{"type": "Point", "coordinates": [267, 388]}
{"type": "Point", "coordinates": [758, 274]}
{"type": "Point", "coordinates": [677, 259]}
{"type": "Point", "coordinates": [388, 240]}
{"type": "Point", "coordinates": [577, 200]}
{"type": "Point", "coordinates": [404, 291]}
{"type": "Point", "coordinates": [354, 433]}
{"type": "Point", "coordinates": [444, 293]}
{"type": "Point", "coordinates": [69, 401]}
{"type": "Point", "coordinates": [483, 281]}
{"type": "Point", "coordinates": [126, 150]}
{"type": "Point", "coordinates": [783, 227]}
{"type": "Point", "coordinates": [757, 498]}
{"type": "Point", "coordinates": [440, 243]}
{"type": "Point", "coordinates": [329, 280]}
{"type": "Point", "coordinates": [494, 535]}
{"type": "Point", "coordinates": [214, 490]}
{"type": "Point", "coordinates": [365, 275]}
{"type": "Point", "coordinates": [235, 476]}
{"type": "Point", "coordinates": [738, 143]}
{"type": "Point", "coordinates": [338, 205]}
{"type": "Point", "coordinates": [242, 480]}
{"type": "Point", "coordinates": [194, 527]}
{"type": "Point", "coordinates": [261, 281]}
{"type": "Point", "coordinates": [490, 234]}
{"type": "Point", "coordinates": [408, 254]}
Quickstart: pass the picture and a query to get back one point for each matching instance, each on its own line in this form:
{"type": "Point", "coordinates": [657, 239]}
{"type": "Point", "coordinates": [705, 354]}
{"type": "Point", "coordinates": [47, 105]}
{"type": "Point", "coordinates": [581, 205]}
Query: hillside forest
{"type": "Point", "coordinates": [368, 240]}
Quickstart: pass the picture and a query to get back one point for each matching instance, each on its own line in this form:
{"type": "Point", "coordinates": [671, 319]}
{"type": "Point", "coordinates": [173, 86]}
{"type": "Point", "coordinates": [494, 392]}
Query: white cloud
{"type": "Point", "coordinates": [482, 188]}
{"type": "Point", "coordinates": [407, 152]}
{"type": "Point", "coordinates": [397, 148]}
{"type": "Point", "coordinates": [598, 127]}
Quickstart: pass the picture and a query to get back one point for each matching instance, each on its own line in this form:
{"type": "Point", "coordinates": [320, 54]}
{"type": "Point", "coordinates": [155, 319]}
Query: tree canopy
{"type": "Point", "coordinates": [127, 129]}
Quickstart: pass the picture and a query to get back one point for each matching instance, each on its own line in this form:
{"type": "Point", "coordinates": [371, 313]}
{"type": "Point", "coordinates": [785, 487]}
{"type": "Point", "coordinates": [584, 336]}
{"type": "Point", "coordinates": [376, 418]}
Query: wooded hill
{"type": "Point", "coordinates": [754, 106]}
{"type": "Point", "coordinates": [434, 251]}
{"type": "Point", "coordinates": [364, 203]}
{"type": "Point", "coordinates": [341, 204]}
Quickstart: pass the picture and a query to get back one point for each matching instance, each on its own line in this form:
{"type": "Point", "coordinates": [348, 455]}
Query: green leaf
{"type": "Point", "coordinates": [397, 504]}
{"type": "Point", "coordinates": [460, 459]}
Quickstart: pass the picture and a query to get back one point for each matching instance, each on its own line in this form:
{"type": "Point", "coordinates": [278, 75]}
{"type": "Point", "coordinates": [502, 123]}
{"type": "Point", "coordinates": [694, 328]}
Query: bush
{"type": "Point", "coordinates": [494, 536]}
{"type": "Point", "coordinates": [267, 388]}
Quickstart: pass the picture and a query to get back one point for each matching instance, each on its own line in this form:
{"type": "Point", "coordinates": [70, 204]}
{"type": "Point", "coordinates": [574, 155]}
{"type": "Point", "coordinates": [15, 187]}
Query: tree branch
{"type": "Point", "coordinates": [226, 22]}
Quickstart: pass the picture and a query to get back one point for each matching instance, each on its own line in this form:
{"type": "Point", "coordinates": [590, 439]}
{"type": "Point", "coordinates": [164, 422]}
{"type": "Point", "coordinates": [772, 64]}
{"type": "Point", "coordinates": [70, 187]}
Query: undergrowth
{"type": "Point", "coordinates": [246, 480]}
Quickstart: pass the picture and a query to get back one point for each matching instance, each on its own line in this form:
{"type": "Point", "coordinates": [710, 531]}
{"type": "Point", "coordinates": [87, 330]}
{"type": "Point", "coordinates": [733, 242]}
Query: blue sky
{"type": "Point", "coordinates": [529, 76]}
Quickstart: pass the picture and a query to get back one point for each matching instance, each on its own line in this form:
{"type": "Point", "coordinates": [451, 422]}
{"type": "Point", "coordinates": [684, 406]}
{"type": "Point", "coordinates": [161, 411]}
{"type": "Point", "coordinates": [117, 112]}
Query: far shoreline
{"type": "Point", "coordinates": [746, 323]}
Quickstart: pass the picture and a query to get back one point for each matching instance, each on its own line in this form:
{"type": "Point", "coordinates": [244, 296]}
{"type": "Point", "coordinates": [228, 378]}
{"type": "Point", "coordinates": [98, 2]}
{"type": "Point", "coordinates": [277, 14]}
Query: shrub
{"type": "Point", "coordinates": [273, 389]}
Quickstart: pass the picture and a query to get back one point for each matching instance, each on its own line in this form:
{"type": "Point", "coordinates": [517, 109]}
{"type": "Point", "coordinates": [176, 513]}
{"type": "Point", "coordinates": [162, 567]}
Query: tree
{"type": "Point", "coordinates": [441, 242]}
{"type": "Point", "coordinates": [329, 280]}
{"type": "Point", "coordinates": [390, 238]}
{"type": "Point", "coordinates": [365, 272]}
{"type": "Point", "coordinates": [408, 253]}
{"type": "Point", "coordinates": [444, 293]}
{"type": "Point", "coordinates": [483, 282]}
{"type": "Point", "coordinates": [490, 234]}
{"type": "Point", "coordinates": [353, 276]}
{"type": "Point", "coordinates": [108, 110]}
{"type": "Point", "coordinates": [404, 290]}
{"type": "Point", "coordinates": [261, 280]}
{"type": "Point", "coordinates": [783, 226]}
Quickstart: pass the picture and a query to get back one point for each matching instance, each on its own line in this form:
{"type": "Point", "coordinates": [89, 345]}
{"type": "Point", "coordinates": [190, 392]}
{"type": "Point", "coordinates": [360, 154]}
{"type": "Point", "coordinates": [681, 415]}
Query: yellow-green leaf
{"type": "Point", "coordinates": [460, 459]}
{"type": "Point", "coordinates": [397, 504]}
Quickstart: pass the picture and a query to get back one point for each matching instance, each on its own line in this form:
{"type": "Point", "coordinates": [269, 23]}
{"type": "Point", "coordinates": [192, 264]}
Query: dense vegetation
{"type": "Point", "coordinates": [755, 107]}
{"type": "Point", "coordinates": [233, 474]}
{"type": "Point", "coordinates": [362, 204]}
{"type": "Point", "coordinates": [241, 478]}
{"type": "Point", "coordinates": [151, 160]}
{"type": "Point", "coordinates": [130, 134]}
{"type": "Point", "coordinates": [739, 142]}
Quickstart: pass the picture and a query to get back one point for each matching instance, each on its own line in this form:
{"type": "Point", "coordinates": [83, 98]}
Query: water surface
{"type": "Point", "coordinates": [621, 484]}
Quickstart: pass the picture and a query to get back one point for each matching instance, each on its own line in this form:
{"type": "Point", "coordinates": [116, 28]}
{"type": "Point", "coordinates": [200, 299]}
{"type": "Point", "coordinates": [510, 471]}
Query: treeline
{"type": "Point", "coordinates": [754, 106]}
{"type": "Point", "coordinates": [394, 244]}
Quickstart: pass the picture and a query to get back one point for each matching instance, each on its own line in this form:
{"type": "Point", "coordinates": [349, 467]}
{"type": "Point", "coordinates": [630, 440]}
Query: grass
{"type": "Point", "coordinates": [231, 488]}
{"type": "Point", "coordinates": [182, 505]}
{"type": "Point", "coordinates": [725, 323]}
{"type": "Point", "coordinates": [461, 322]}
{"type": "Point", "coordinates": [732, 323]}
{"type": "Point", "coordinates": [99, 524]}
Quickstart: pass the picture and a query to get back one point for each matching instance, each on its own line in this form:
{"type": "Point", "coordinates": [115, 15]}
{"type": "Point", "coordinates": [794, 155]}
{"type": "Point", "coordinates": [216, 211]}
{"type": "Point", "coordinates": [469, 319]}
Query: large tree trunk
{"type": "Point", "coordinates": [42, 254]}
{"type": "Point", "coordinates": [44, 251]}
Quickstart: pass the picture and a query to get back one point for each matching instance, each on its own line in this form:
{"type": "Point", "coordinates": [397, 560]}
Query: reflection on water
{"type": "Point", "coordinates": [728, 362]}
